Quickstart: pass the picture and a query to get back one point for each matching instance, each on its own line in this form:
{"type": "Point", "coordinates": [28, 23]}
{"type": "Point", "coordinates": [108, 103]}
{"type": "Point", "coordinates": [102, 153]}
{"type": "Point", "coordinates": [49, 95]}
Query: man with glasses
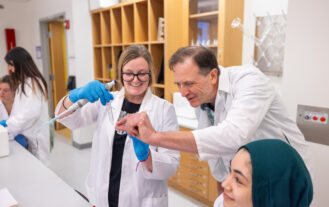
{"type": "Point", "coordinates": [235, 105]}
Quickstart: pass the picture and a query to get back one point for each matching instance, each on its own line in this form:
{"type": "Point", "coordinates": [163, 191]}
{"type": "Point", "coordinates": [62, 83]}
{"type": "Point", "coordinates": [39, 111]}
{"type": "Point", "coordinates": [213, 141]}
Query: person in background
{"type": "Point", "coordinates": [114, 177]}
{"type": "Point", "coordinates": [267, 172]}
{"type": "Point", "coordinates": [7, 96]}
{"type": "Point", "coordinates": [235, 106]}
{"type": "Point", "coordinates": [30, 108]}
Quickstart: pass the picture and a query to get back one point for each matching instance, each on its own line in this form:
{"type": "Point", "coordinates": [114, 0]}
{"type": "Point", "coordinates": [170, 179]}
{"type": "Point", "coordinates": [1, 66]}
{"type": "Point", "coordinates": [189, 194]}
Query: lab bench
{"type": "Point", "coordinates": [32, 184]}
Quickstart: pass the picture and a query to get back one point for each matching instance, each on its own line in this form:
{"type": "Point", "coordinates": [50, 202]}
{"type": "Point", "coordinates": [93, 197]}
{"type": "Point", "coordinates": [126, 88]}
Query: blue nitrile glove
{"type": "Point", "coordinates": [92, 91]}
{"type": "Point", "coordinates": [21, 139]}
{"type": "Point", "coordinates": [141, 149]}
{"type": "Point", "coordinates": [3, 123]}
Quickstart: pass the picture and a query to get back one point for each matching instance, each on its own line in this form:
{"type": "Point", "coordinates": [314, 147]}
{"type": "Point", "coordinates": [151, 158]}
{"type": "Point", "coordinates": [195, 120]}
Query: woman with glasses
{"type": "Point", "coordinates": [125, 171]}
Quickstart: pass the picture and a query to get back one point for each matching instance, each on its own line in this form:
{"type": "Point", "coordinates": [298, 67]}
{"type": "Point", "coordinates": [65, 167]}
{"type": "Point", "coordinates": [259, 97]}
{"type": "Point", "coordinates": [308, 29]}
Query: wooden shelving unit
{"type": "Point", "coordinates": [209, 24]}
{"type": "Point", "coordinates": [136, 22]}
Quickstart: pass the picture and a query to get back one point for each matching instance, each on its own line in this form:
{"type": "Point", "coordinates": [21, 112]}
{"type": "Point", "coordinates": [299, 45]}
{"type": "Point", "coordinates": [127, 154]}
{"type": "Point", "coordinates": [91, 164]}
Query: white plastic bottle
{"type": "Point", "coordinates": [4, 141]}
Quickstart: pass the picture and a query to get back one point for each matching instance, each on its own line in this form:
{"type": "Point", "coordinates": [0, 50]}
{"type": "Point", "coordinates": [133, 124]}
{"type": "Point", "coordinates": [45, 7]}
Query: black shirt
{"type": "Point", "coordinates": [117, 153]}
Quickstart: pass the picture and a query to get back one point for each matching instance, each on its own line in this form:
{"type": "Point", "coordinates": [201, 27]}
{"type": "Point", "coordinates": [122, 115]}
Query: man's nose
{"type": "Point", "coordinates": [183, 90]}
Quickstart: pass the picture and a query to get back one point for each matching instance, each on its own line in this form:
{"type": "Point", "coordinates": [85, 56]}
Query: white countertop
{"type": "Point", "coordinates": [32, 184]}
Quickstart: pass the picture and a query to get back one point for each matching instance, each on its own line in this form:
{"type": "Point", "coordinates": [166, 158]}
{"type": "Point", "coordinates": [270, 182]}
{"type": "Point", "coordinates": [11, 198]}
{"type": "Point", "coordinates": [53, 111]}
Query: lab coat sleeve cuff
{"type": "Point", "coordinates": [164, 166]}
{"type": "Point", "coordinates": [69, 120]}
{"type": "Point", "coordinates": [202, 151]}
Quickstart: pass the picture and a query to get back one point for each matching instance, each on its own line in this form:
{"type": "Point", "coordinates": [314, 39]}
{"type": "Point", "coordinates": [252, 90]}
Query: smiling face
{"type": "Point", "coordinates": [136, 89]}
{"type": "Point", "coordinates": [196, 87]}
{"type": "Point", "coordinates": [238, 183]}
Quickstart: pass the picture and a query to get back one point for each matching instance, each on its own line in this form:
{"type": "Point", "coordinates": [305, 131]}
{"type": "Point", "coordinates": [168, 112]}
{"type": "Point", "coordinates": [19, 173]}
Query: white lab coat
{"type": "Point", "coordinates": [3, 112]}
{"type": "Point", "coordinates": [247, 108]}
{"type": "Point", "coordinates": [219, 202]}
{"type": "Point", "coordinates": [29, 112]}
{"type": "Point", "coordinates": [137, 187]}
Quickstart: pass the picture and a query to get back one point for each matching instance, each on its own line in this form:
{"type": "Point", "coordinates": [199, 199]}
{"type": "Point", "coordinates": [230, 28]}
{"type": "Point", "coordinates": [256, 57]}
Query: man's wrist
{"type": "Point", "coordinates": [156, 138]}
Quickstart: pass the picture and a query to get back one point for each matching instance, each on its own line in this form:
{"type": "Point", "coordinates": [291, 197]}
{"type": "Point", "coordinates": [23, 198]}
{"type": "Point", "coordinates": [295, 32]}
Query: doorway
{"type": "Point", "coordinates": [54, 55]}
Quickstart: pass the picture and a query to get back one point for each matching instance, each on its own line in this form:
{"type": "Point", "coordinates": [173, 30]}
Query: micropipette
{"type": "Point", "coordinates": [75, 106]}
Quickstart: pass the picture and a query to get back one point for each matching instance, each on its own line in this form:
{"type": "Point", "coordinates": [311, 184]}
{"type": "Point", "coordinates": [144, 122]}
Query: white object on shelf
{"type": "Point", "coordinates": [6, 199]}
{"type": "Point", "coordinates": [161, 23]}
{"type": "Point", "coordinates": [4, 142]}
{"type": "Point", "coordinates": [185, 112]}
{"type": "Point", "coordinates": [96, 4]}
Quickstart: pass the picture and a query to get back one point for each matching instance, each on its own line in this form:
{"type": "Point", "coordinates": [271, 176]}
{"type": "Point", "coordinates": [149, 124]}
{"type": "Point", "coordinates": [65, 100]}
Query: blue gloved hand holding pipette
{"type": "Point", "coordinates": [92, 91]}
{"type": "Point", "coordinates": [141, 149]}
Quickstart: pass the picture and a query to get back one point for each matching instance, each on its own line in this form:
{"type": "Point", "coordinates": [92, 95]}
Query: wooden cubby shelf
{"type": "Point", "coordinates": [204, 15]}
{"type": "Point", "coordinates": [136, 22]}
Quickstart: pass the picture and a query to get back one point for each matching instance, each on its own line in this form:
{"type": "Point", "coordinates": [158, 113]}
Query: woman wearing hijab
{"type": "Point", "coordinates": [267, 173]}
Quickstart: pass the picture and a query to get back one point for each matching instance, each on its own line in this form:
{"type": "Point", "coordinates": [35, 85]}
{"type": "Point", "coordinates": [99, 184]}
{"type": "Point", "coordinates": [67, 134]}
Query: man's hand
{"type": "Point", "coordinates": [138, 125]}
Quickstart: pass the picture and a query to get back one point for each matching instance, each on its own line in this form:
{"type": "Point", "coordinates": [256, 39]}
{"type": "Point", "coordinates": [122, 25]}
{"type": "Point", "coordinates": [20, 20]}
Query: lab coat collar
{"type": "Point", "coordinates": [224, 81]}
{"type": "Point", "coordinates": [146, 104]}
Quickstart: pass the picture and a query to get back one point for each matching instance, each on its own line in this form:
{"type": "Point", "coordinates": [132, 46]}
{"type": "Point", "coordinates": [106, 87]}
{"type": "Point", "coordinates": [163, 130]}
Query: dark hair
{"type": "Point", "coordinates": [7, 79]}
{"type": "Point", "coordinates": [25, 68]}
{"type": "Point", "coordinates": [202, 56]}
{"type": "Point", "coordinates": [132, 52]}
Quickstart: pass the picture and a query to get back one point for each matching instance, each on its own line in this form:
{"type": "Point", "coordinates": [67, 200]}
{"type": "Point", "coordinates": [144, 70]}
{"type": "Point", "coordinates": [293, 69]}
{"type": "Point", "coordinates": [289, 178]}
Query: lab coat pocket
{"type": "Point", "coordinates": [158, 202]}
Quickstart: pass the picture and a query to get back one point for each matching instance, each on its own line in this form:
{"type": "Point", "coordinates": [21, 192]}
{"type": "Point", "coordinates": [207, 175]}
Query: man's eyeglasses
{"type": "Point", "coordinates": [142, 77]}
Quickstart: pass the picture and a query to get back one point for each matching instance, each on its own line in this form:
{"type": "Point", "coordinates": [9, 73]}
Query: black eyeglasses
{"type": "Point", "coordinates": [142, 77]}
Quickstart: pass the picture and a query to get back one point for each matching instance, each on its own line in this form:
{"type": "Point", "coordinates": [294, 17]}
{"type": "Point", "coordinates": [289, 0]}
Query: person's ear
{"type": "Point", "coordinates": [214, 75]}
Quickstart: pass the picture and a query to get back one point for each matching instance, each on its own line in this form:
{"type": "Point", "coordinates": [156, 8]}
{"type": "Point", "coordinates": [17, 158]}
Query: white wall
{"type": "Point", "coordinates": [25, 19]}
{"type": "Point", "coordinates": [16, 16]}
{"type": "Point", "coordinates": [82, 39]}
{"type": "Point", "coordinates": [83, 53]}
{"type": "Point", "coordinates": [305, 70]}
{"type": "Point", "coordinates": [48, 9]}
{"type": "Point", "coordinates": [253, 9]}
{"type": "Point", "coordinates": [305, 75]}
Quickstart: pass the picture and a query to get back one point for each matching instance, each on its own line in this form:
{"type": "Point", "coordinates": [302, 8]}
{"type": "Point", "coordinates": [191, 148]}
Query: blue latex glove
{"type": "Point", "coordinates": [92, 91]}
{"type": "Point", "coordinates": [21, 139]}
{"type": "Point", "coordinates": [141, 149]}
{"type": "Point", "coordinates": [3, 123]}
